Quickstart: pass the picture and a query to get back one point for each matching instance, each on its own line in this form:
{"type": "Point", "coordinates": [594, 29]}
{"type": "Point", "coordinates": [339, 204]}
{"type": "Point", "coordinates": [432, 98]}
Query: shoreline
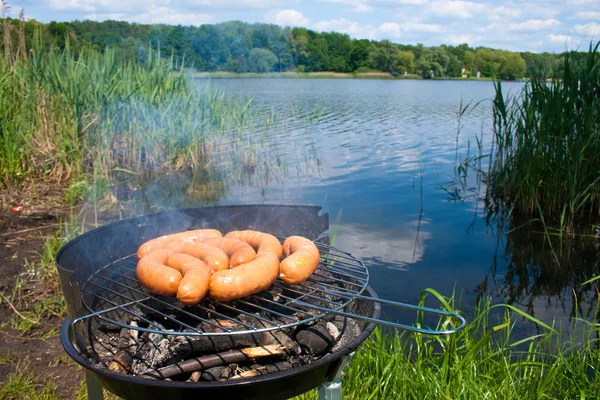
{"type": "Point", "coordinates": [326, 75]}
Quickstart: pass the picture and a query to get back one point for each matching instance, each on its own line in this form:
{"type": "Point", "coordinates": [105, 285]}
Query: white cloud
{"type": "Point", "coordinates": [558, 38]}
{"type": "Point", "coordinates": [71, 5]}
{"type": "Point", "coordinates": [534, 25]}
{"type": "Point", "coordinates": [455, 8]}
{"type": "Point", "coordinates": [588, 15]}
{"type": "Point", "coordinates": [287, 18]}
{"type": "Point", "coordinates": [343, 25]}
{"type": "Point", "coordinates": [466, 38]}
{"type": "Point", "coordinates": [362, 8]}
{"type": "Point", "coordinates": [165, 15]}
{"type": "Point", "coordinates": [419, 27]}
{"type": "Point", "coordinates": [566, 41]}
{"type": "Point", "coordinates": [501, 13]}
{"type": "Point", "coordinates": [412, 2]}
{"type": "Point", "coordinates": [104, 17]}
{"type": "Point", "coordinates": [582, 2]}
{"type": "Point", "coordinates": [591, 29]}
{"type": "Point", "coordinates": [114, 6]}
{"type": "Point", "coordinates": [359, 6]}
{"type": "Point", "coordinates": [387, 30]}
{"type": "Point", "coordinates": [467, 9]}
{"type": "Point", "coordinates": [156, 15]}
{"type": "Point", "coordinates": [237, 4]}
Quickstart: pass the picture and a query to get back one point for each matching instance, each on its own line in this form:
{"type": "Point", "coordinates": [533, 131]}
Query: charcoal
{"type": "Point", "coordinates": [195, 377]}
{"type": "Point", "coordinates": [333, 330]}
{"type": "Point", "coordinates": [315, 339]}
{"type": "Point", "coordinates": [226, 372]}
{"type": "Point", "coordinates": [212, 374]}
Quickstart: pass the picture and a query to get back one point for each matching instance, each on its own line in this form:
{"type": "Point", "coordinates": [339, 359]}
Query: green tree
{"type": "Point", "coordinates": [359, 56]}
{"type": "Point", "coordinates": [236, 65]}
{"type": "Point", "coordinates": [469, 60]}
{"type": "Point", "coordinates": [299, 43]}
{"type": "Point", "coordinates": [424, 68]}
{"type": "Point", "coordinates": [512, 66]}
{"type": "Point", "coordinates": [317, 52]}
{"type": "Point", "coordinates": [261, 60]}
{"type": "Point", "coordinates": [384, 57]}
{"type": "Point", "coordinates": [339, 47]}
{"type": "Point", "coordinates": [487, 62]}
{"type": "Point", "coordinates": [454, 68]}
{"type": "Point", "coordinates": [405, 61]}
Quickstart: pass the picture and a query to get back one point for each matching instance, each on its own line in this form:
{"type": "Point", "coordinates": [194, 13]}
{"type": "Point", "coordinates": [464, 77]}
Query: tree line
{"type": "Point", "coordinates": [236, 46]}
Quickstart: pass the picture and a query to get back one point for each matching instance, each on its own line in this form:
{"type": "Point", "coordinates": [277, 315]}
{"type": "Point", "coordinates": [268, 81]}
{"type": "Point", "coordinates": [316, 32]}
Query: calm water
{"type": "Point", "coordinates": [381, 156]}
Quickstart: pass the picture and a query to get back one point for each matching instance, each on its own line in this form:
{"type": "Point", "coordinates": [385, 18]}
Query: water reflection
{"type": "Point", "coordinates": [542, 274]}
{"type": "Point", "coordinates": [384, 154]}
{"type": "Point", "coordinates": [394, 249]}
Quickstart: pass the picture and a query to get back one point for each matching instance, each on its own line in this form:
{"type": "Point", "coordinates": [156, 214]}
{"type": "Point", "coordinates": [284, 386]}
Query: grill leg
{"type": "Point", "coordinates": [94, 389]}
{"type": "Point", "coordinates": [331, 391]}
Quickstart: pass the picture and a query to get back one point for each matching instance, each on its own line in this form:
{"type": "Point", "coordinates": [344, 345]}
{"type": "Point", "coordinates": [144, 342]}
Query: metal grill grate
{"type": "Point", "coordinates": [114, 294]}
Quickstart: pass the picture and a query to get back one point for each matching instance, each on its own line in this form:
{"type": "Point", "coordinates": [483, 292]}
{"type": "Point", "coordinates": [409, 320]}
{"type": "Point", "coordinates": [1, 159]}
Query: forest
{"type": "Point", "coordinates": [239, 47]}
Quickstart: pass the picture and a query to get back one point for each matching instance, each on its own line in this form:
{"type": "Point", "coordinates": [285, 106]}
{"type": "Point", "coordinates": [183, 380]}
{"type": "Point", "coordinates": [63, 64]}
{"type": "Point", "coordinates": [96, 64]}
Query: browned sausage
{"type": "Point", "coordinates": [239, 252]}
{"type": "Point", "coordinates": [214, 257]}
{"type": "Point", "coordinates": [247, 279]}
{"type": "Point", "coordinates": [191, 236]}
{"type": "Point", "coordinates": [196, 275]}
{"type": "Point", "coordinates": [154, 274]}
{"type": "Point", "coordinates": [302, 258]}
{"type": "Point", "coordinates": [261, 242]}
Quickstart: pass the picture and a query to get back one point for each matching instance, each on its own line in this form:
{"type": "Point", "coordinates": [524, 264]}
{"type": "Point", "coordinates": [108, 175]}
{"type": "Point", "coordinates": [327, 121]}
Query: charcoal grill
{"type": "Point", "coordinates": [97, 272]}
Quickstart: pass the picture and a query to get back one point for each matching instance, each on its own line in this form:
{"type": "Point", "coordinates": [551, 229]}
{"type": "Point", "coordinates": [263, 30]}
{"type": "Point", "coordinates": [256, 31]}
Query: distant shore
{"type": "Point", "coordinates": [301, 75]}
{"type": "Point", "coordinates": [319, 75]}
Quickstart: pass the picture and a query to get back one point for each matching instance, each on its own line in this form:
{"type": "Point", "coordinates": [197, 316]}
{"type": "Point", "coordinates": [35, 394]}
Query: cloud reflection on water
{"type": "Point", "coordinates": [395, 248]}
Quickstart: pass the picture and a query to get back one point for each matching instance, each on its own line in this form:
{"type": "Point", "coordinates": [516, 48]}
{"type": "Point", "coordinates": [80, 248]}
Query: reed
{"type": "Point", "coordinates": [547, 139]}
{"type": "Point", "coordinates": [69, 115]}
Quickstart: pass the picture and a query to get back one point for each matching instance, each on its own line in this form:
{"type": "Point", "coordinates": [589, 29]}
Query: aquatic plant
{"type": "Point", "coordinates": [547, 140]}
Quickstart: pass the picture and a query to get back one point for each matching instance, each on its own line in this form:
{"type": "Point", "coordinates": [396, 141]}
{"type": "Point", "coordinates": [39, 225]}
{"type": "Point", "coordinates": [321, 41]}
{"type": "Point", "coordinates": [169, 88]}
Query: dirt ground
{"type": "Point", "coordinates": [37, 351]}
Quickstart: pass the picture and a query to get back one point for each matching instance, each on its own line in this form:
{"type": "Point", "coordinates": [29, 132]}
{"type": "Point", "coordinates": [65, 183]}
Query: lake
{"type": "Point", "coordinates": [381, 157]}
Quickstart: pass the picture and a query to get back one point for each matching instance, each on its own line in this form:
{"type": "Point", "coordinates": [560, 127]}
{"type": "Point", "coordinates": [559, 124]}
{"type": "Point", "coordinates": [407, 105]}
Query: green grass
{"type": "Point", "coordinates": [483, 361]}
{"type": "Point", "coordinates": [547, 139]}
{"type": "Point", "coordinates": [23, 384]}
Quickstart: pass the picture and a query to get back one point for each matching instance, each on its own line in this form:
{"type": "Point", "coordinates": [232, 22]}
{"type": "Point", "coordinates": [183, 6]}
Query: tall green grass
{"type": "Point", "coordinates": [66, 114]}
{"type": "Point", "coordinates": [486, 360]}
{"type": "Point", "coordinates": [547, 140]}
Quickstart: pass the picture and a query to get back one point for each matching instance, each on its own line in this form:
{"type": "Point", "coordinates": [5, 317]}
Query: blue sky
{"type": "Point", "coordinates": [517, 25]}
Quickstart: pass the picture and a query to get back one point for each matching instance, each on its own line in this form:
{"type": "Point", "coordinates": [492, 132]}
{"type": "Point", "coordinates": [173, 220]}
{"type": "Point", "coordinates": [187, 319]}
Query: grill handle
{"type": "Point", "coordinates": [376, 321]}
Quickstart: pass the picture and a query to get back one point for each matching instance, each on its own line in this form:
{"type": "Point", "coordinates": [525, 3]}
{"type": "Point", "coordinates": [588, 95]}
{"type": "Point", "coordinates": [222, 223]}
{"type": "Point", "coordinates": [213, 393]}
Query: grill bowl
{"type": "Point", "coordinates": [86, 254]}
{"type": "Point", "coordinates": [279, 385]}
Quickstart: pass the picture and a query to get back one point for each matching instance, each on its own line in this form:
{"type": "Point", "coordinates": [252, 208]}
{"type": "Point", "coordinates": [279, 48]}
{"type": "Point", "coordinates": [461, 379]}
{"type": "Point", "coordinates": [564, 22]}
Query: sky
{"type": "Point", "coordinates": [516, 25]}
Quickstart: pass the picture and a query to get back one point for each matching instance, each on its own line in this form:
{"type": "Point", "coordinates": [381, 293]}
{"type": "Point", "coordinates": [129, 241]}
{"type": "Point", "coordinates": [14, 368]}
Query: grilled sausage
{"type": "Point", "coordinates": [302, 258]}
{"type": "Point", "coordinates": [239, 252]}
{"type": "Point", "coordinates": [189, 236]}
{"type": "Point", "coordinates": [246, 279]}
{"type": "Point", "coordinates": [214, 257]}
{"type": "Point", "coordinates": [196, 275]}
{"type": "Point", "coordinates": [261, 242]}
{"type": "Point", "coordinates": [155, 275]}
